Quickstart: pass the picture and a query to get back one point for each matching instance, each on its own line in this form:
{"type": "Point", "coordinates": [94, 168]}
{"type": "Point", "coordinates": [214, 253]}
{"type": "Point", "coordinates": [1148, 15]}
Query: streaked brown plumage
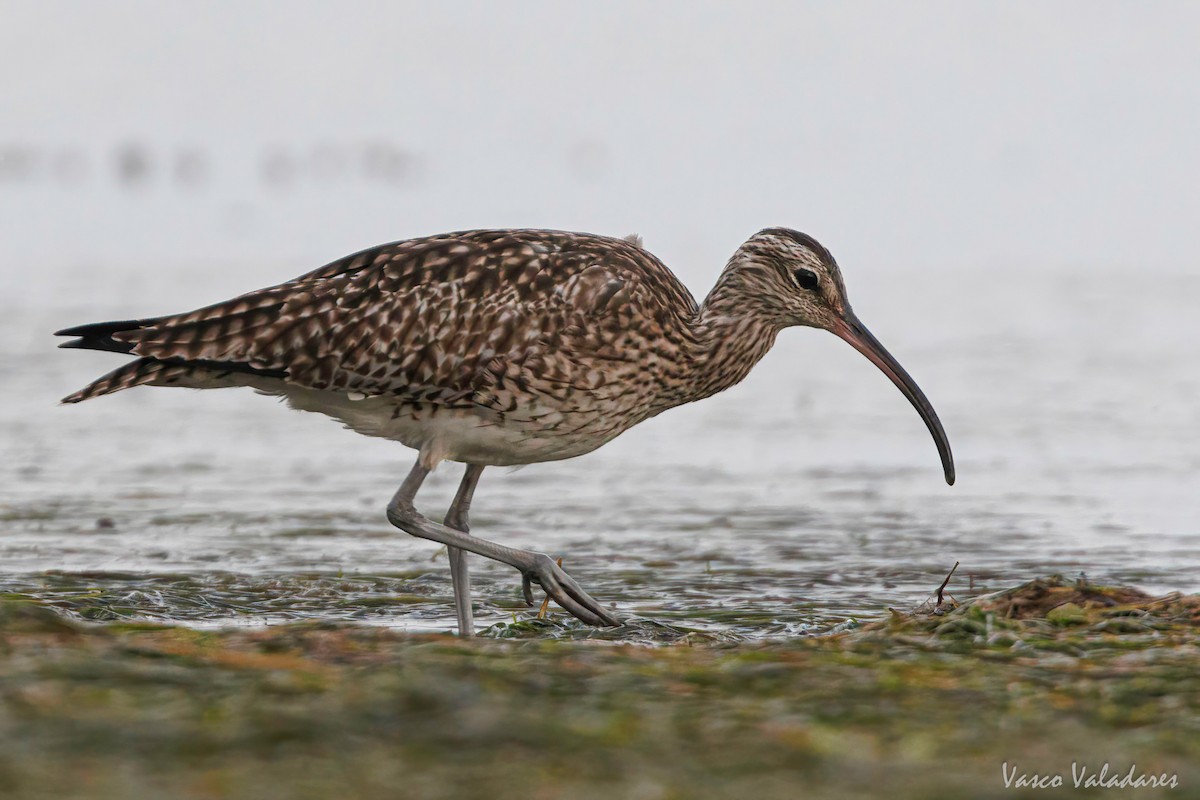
{"type": "Point", "coordinates": [497, 347]}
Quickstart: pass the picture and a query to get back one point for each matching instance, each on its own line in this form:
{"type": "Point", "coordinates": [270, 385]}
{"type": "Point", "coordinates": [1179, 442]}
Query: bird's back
{"type": "Point", "coordinates": [530, 327]}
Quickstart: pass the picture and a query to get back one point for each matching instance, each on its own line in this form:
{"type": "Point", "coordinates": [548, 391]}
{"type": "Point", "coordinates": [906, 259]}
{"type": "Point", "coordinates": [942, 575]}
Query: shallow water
{"type": "Point", "coordinates": [805, 497]}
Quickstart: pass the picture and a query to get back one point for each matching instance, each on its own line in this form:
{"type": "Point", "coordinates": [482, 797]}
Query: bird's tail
{"type": "Point", "coordinates": [135, 373]}
{"type": "Point", "coordinates": [169, 371]}
{"type": "Point", "coordinates": [99, 335]}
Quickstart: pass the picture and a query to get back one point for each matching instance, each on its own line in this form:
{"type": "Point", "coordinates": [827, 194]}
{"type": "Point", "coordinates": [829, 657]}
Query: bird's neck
{"type": "Point", "coordinates": [730, 336]}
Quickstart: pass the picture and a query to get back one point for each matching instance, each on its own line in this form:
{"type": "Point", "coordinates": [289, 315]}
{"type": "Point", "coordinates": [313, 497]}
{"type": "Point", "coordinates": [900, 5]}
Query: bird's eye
{"type": "Point", "coordinates": [807, 279]}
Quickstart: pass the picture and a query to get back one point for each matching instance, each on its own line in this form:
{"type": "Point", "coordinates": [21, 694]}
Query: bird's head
{"type": "Point", "coordinates": [790, 279]}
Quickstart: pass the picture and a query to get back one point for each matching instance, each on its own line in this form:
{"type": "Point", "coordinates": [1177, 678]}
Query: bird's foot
{"type": "Point", "coordinates": [544, 608]}
{"type": "Point", "coordinates": [562, 588]}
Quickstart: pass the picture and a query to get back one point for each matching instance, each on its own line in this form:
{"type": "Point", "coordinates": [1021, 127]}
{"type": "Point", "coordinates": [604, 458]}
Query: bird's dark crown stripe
{"type": "Point", "coordinates": [801, 239]}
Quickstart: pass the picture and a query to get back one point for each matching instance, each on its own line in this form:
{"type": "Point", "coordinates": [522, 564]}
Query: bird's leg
{"type": "Point", "coordinates": [534, 567]}
{"type": "Point", "coordinates": [460, 575]}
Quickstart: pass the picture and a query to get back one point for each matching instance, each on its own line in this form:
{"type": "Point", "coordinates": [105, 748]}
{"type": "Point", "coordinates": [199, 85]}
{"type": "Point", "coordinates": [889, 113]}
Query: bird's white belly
{"type": "Point", "coordinates": [450, 434]}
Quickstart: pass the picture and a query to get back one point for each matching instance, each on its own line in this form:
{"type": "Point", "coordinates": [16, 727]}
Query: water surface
{"type": "Point", "coordinates": [805, 497]}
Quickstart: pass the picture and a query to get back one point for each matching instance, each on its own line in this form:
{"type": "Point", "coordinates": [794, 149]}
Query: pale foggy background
{"type": "Point", "coordinates": [926, 135]}
{"type": "Point", "coordinates": [1012, 191]}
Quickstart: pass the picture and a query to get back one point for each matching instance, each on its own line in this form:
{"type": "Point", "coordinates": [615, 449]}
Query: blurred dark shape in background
{"type": "Point", "coordinates": [30, 164]}
{"type": "Point", "coordinates": [277, 168]}
{"type": "Point", "coordinates": [189, 167]}
{"type": "Point", "coordinates": [133, 164]}
{"type": "Point", "coordinates": [17, 163]}
{"type": "Point", "coordinates": [326, 163]}
{"type": "Point", "coordinates": [386, 163]}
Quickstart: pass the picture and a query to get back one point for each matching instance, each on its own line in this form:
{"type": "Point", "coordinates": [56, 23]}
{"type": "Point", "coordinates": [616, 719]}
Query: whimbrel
{"type": "Point", "coordinates": [498, 347]}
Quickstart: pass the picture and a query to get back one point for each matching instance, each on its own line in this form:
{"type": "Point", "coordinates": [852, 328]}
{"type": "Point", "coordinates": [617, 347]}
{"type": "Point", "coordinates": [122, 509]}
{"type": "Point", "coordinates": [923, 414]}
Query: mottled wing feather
{"type": "Point", "coordinates": [450, 319]}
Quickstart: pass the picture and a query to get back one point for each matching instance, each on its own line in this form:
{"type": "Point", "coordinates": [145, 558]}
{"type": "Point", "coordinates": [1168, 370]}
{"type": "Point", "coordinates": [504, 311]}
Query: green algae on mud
{"type": "Point", "coordinates": [921, 705]}
{"type": "Point", "coordinates": [415, 599]}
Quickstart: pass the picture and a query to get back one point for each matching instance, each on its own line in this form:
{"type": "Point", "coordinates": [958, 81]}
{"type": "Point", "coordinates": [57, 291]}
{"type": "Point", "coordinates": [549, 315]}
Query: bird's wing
{"type": "Point", "coordinates": [445, 319]}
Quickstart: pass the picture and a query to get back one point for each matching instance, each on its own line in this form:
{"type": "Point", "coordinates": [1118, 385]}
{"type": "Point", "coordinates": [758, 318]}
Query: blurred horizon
{"type": "Point", "coordinates": [274, 138]}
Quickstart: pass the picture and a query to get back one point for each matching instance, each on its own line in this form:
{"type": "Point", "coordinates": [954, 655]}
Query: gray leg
{"type": "Point", "coordinates": [534, 567]}
{"type": "Point", "coordinates": [460, 575]}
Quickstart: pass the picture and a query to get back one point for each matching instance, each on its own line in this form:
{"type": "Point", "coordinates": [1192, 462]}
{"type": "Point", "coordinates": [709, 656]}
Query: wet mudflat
{"type": "Point", "coordinates": [919, 704]}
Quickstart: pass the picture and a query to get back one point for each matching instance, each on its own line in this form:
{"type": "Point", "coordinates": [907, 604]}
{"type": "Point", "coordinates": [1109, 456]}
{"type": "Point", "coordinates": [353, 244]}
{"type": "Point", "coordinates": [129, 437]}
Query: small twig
{"type": "Point", "coordinates": [945, 583]}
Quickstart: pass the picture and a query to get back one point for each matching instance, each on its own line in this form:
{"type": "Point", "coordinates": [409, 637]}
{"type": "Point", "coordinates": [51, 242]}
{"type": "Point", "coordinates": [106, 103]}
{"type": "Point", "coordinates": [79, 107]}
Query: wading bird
{"type": "Point", "coordinates": [498, 347]}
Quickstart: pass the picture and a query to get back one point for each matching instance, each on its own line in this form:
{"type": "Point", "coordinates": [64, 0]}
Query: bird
{"type": "Point", "coordinates": [499, 348]}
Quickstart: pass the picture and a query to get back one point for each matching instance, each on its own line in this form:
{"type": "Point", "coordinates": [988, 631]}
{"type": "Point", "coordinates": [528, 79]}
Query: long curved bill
{"type": "Point", "coordinates": [861, 340]}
